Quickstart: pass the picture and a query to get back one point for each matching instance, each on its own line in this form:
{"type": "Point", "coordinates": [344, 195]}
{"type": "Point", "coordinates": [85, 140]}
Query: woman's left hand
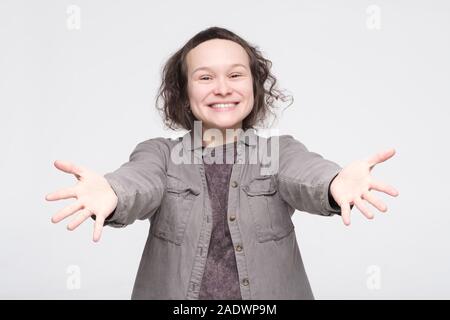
{"type": "Point", "coordinates": [354, 183]}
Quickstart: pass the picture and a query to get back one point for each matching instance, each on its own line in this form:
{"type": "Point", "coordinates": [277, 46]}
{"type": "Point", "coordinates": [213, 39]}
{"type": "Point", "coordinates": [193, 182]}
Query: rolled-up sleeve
{"type": "Point", "coordinates": [139, 184]}
{"type": "Point", "coordinates": [304, 178]}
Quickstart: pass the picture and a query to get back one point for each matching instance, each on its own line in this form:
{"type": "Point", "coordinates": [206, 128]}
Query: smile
{"type": "Point", "coordinates": [223, 106]}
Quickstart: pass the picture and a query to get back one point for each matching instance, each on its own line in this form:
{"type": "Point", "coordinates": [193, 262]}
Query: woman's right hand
{"type": "Point", "coordinates": [93, 194]}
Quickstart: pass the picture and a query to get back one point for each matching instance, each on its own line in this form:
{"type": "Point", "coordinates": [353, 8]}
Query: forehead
{"type": "Point", "coordinates": [216, 53]}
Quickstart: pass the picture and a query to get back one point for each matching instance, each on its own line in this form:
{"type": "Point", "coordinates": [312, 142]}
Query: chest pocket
{"type": "Point", "coordinates": [270, 212]}
{"type": "Point", "coordinates": [176, 208]}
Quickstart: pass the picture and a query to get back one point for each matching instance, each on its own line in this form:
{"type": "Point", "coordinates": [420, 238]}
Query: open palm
{"type": "Point", "coordinates": [354, 183]}
{"type": "Point", "coordinates": [93, 194]}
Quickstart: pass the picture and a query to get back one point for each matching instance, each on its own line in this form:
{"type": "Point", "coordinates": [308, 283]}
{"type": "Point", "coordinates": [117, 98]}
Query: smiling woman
{"type": "Point", "coordinates": [220, 87]}
{"type": "Point", "coordinates": [220, 229]}
{"type": "Point", "coordinates": [212, 70]}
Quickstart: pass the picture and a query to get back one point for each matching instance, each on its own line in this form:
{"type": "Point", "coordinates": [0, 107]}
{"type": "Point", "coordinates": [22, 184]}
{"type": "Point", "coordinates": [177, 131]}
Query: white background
{"type": "Point", "coordinates": [87, 95]}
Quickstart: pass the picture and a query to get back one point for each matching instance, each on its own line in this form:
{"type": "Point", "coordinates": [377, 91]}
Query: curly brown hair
{"type": "Point", "coordinates": [175, 109]}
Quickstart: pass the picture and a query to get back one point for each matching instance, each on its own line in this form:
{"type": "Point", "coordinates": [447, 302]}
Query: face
{"type": "Point", "coordinates": [220, 86]}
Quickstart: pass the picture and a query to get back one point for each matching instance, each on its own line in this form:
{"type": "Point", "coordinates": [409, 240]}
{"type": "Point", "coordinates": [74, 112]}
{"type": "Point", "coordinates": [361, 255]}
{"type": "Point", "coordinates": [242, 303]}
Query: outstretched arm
{"type": "Point", "coordinates": [304, 178]}
{"type": "Point", "coordinates": [133, 191]}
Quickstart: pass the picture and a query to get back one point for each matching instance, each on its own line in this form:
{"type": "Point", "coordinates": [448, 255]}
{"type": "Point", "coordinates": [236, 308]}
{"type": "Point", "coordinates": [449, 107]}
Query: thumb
{"type": "Point", "coordinates": [98, 227]}
{"type": "Point", "coordinates": [69, 167]}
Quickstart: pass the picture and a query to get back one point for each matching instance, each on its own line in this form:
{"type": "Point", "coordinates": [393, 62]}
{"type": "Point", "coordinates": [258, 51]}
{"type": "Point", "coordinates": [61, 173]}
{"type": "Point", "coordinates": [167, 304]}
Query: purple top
{"type": "Point", "coordinates": [220, 279]}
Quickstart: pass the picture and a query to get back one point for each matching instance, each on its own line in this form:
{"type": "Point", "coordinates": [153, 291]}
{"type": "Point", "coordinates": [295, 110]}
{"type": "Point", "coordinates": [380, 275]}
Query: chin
{"type": "Point", "coordinates": [223, 124]}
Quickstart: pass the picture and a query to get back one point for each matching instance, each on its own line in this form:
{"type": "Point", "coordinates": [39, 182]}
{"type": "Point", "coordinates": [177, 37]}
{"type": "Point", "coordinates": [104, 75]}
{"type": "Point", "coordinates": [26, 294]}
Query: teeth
{"type": "Point", "coordinates": [223, 105]}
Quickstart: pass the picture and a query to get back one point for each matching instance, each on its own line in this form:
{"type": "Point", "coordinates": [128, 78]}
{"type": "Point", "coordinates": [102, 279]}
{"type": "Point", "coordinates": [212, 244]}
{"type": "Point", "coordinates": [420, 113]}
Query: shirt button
{"type": "Point", "coordinates": [232, 218]}
{"type": "Point", "coordinates": [238, 248]}
{"type": "Point", "coordinates": [234, 184]}
{"type": "Point", "coordinates": [245, 282]}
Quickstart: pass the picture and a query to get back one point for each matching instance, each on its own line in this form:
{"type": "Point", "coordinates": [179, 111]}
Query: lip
{"type": "Point", "coordinates": [222, 102]}
{"type": "Point", "coordinates": [224, 109]}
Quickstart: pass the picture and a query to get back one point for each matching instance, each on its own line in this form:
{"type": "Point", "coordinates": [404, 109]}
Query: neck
{"type": "Point", "coordinates": [214, 138]}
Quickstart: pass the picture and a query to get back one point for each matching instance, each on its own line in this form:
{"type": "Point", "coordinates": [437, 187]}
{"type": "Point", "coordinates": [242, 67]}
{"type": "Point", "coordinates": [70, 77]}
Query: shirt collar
{"type": "Point", "coordinates": [192, 140]}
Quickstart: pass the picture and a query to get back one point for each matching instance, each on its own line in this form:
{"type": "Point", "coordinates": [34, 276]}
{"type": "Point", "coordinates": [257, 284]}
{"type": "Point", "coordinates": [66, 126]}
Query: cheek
{"type": "Point", "coordinates": [249, 95]}
{"type": "Point", "coordinates": [247, 92]}
{"type": "Point", "coordinates": [197, 95]}
{"type": "Point", "coordinates": [247, 89]}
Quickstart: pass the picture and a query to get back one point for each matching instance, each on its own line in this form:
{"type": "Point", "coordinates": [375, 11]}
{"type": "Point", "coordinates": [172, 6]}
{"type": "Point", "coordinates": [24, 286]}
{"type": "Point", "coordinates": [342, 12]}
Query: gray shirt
{"type": "Point", "coordinates": [154, 184]}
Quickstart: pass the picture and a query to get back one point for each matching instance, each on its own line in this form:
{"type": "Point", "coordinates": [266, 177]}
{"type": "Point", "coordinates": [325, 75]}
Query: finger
{"type": "Point", "coordinates": [345, 212]}
{"type": "Point", "coordinates": [381, 157]}
{"type": "Point", "coordinates": [67, 211]}
{"type": "Point", "coordinates": [98, 227]}
{"type": "Point", "coordinates": [377, 203]}
{"type": "Point", "coordinates": [69, 167]}
{"type": "Point", "coordinates": [383, 187]}
{"type": "Point", "coordinates": [359, 203]}
{"type": "Point", "coordinates": [82, 215]}
{"type": "Point", "coordinates": [61, 194]}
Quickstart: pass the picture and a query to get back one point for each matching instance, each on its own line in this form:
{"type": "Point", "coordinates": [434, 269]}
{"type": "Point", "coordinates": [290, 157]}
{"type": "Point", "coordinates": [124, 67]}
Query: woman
{"type": "Point", "coordinates": [220, 221]}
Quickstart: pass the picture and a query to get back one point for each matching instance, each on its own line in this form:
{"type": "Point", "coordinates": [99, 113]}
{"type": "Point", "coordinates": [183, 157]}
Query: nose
{"type": "Point", "coordinates": [222, 86]}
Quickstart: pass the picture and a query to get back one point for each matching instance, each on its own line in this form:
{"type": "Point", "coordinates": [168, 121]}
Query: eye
{"type": "Point", "coordinates": [235, 75]}
{"type": "Point", "coordinates": [205, 78]}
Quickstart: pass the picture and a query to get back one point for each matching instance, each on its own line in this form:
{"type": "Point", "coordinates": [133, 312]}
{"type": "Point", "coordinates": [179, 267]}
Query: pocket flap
{"type": "Point", "coordinates": [175, 185]}
{"type": "Point", "coordinates": [261, 185]}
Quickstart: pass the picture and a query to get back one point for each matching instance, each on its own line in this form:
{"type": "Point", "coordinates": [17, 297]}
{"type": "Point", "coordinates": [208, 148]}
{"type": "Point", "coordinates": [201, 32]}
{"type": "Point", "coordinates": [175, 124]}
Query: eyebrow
{"type": "Point", "coordinates": [208, 68]}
